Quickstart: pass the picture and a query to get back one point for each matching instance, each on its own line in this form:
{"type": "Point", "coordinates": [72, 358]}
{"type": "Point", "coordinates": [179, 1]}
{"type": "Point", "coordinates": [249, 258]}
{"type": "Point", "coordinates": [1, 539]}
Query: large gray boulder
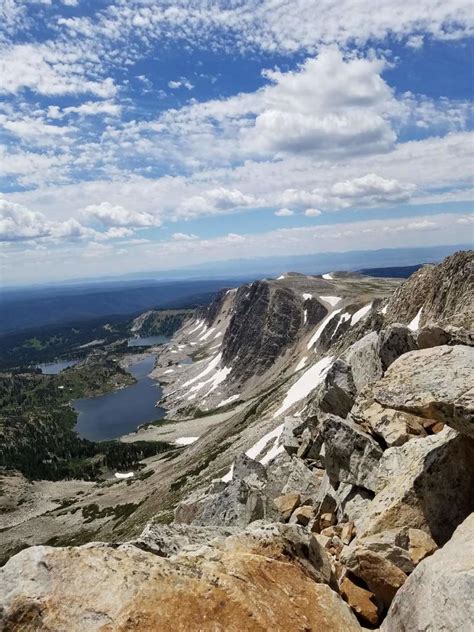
{"type": "Point", "coordinates": [350, 454]}
{"type": "Point", "coordinates": [426, 484]}
{"type": "Point", "coordinates": [338, 390]}
{"type": "Point", "coordinates": [438, 595]}
{"type": "Point", "coordinates": [434, 384]}
{"type": "Point", "coordinates": [364, 360]}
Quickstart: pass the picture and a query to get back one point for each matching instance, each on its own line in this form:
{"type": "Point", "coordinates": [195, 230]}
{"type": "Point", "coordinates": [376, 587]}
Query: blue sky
{"type": "Point", "coordinates": [146, 135]}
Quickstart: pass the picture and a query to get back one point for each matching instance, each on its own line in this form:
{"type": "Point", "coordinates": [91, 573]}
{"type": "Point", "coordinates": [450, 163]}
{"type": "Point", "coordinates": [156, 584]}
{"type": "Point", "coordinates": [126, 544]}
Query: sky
{"type": "Point", "coordinates": [148, 135]}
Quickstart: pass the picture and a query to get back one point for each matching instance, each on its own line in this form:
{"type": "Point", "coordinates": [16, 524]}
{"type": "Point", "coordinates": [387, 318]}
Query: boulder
{"type": "Point", "coordinates": [302, 480]}
{"type": "Point", "coordinates": [394, 341]}
{"type": "Point", "coordinates": [437, 597]}
{"type": "Point", "coordinates": [254, 581]}
{"type": "Point", "coordinates": [302, 515]}
{"type": "Point", "coordinates": [247, 469]}
{"type": "Point", "coordinates": [286, 504]}
{"type": "Point", "coordinates": [350, 454]}
{"type": "Point", "coordinates": [352, 502]}
{"type": "Point", "coordinates": [433, 384]}
{"type": "Point", "coordinates": [395, 427]}
{"type": "Point", "coordinates": [364, 361]}
{"type": "Point", "coordinates": [292, 429]}
{"type": "Point", "coordinates": [361, 601]}
{"type": "Point", "coordinates": [338, 391]}
{"type": "Point", "coordinates": [425, 483]}
{"type": "Point", "coordinates": [420, 545]}
{"type": "Point", "coordinates": [392, 545]}
{"type": "Point", "coordinates": [382, 577]}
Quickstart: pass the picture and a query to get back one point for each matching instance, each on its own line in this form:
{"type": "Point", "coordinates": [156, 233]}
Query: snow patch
{"type": "Point", "coordinates": [200, 323]}
{"type": "Point", "coordinates": [384, 309]}
{"type": "Point", "coordinates": [229, 400]}
{"type": "Point", "coordinates": [321, 328]}
{"type": "Point", "coordinates": [342, 319]}
{"type": "Point", "coordinates": [307, 296]}
{"type": "Point", "coordinates": [415, 323]}
{"type": "Point", "coordinates": [327, 276]}
{"type": "Point", "coordinates": [186, 440]}
{"type": "Point", "coordinates": [301, 364]}
{"type": "Point", "coordinates": [281, 277]}
{"type": "Point", "coordinates": [261, 444]}
{"type": "Point", "coordinates": [125, 475]}
{"type": "Point", "coordinates": [168, 371]}
{"type": "Point", "coordinates": [305, 316]}
{"type": "Point", "coordinates": [305, 384]}
{"type": "Point", "coordinates": [359, 315]}
{"type": "Point", "coordinates": [332, 300]}
{"type": "Point", "coordinates": [214, 363]}
{"type": "Point", "coordinates": [207, 334]}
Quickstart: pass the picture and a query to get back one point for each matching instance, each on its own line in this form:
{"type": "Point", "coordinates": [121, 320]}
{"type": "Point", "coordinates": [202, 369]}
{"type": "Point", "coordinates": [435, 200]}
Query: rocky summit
{"type": "Point", "coordinates": [321, 479]}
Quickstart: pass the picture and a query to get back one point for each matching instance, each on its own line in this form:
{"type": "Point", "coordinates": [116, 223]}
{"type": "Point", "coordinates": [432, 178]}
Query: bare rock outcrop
{"type": "Point", "coordinates": [257, 580]}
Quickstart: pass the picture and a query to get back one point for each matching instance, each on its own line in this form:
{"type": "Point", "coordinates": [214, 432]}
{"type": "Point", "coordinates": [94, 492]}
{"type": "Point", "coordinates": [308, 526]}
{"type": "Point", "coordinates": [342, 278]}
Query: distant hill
{"type": "Point", "coordinates": [36, 307]}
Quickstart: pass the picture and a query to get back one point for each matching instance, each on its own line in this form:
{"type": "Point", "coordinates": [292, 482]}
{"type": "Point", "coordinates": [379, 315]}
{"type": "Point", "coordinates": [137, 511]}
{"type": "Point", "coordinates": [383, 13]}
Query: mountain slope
{"type": "Point", "coordinates": [330, 403]}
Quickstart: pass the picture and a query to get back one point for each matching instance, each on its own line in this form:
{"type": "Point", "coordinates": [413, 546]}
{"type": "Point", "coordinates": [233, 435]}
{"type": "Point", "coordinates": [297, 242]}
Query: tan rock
{"type": "Point", "coordinates": [244, 585]}
{"type": "Point", "coordinates": [327, 520]}
{"type": "Point", "coordinates": [347, 532]}
{"type": "Point", "coordinates": [421, 544]}
{"type": "Point", "coordinates": [361, 601]}
{"type": "Point", "coordinates": [302, 515]}
{"type": "Point", "coordinates": [382, 577]}
{"type": "Point", "coordinates": [286, 504]}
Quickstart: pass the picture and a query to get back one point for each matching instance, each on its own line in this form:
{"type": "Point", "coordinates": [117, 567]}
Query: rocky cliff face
{"type": "Point", "coordinates": [443, 293]}
{"type": "Point", "coordinates": [326, 482]}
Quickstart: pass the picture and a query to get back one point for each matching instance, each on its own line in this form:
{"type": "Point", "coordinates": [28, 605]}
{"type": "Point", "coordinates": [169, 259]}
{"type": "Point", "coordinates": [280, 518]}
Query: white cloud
{"type": "Point", "coordinates": [49, 71]}
{"type": "Point", "coordinates": [110, 215]}
{"type": "Point", "coordinates": [183, 237]}
{"type": "Point", "coordinates": [312, 212]}
{"type": "Point", "coordinates": [19, 223]}
{"type": "Point", "coordinates": [284, 212]}
{"type": "Point", "coordinates": [181, 83]}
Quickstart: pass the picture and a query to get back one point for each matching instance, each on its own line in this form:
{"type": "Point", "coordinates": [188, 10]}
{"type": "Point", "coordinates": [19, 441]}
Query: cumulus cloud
{"type": "Point", "coordinates": [109, 215]}
{"type": "Point", "coordinates": [312, 212]}
{"type": "Point", "coordinates": [214, 201]}
{"type": "Point", "coordinates": [19, 223]}
{"type": "Point", "coordinates": [284, 212]}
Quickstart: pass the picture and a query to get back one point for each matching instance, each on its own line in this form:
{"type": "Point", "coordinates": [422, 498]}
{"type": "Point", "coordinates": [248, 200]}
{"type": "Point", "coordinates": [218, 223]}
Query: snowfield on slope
{"type": "Point", "coordinates": [310, 379]}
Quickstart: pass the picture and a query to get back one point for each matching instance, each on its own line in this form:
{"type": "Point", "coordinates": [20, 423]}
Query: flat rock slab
{"type": "Point", "coordinates": [434, 384]}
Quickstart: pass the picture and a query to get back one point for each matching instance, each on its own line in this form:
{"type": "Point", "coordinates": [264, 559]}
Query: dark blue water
{"type": "Point", "coordinates": [53, 368]}
{"type": "Point", "coordinates": [147, 341]}
{"type": "Point", "coordinates": [118, 413]}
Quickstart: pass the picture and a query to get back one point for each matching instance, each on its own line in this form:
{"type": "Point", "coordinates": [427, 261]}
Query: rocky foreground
{"type": "Point", "coordinates": [337, 496]}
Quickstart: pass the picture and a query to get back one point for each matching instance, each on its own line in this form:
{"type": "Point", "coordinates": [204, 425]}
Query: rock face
{"type": "Point", "coordinates": [443, 293]}
{"type": "Point", "coordinates": [265, 322]}
{"type": "Point", "coordinates": [437, 597]}
{"type": "Point", "coordinates": [254, 581]}
{"type": "Point", "coordinates": [434, 384]}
